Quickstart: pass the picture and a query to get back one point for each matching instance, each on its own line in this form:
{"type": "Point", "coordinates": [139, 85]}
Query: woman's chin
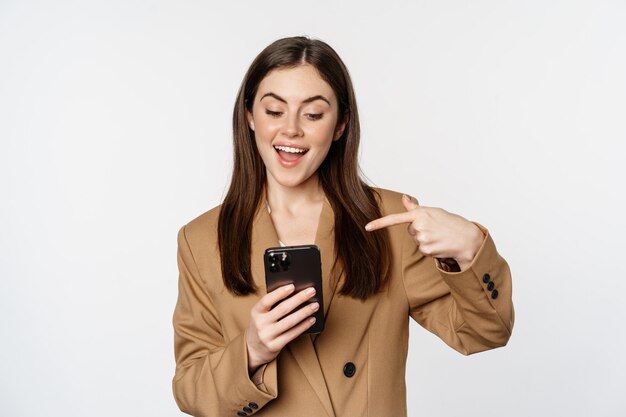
{"type": "Point", "coordinates": [291, 181]}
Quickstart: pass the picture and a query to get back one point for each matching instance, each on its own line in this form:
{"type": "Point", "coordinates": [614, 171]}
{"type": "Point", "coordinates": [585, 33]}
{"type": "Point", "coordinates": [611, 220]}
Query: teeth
{"type": "Point", "coordinates": [290, 149]}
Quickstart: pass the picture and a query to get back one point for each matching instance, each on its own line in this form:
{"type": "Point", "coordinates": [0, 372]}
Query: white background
{"type": "Point", "coordinates": [115, 131]}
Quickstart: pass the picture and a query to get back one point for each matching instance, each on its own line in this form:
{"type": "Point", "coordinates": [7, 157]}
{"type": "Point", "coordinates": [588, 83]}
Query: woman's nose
{"type": "Point", "coordinates": [292, 126]}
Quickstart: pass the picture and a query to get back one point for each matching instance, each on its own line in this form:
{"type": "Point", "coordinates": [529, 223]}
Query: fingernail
{"type": "Point", "coordinates": [368, 227]}
{"type": "Point", "coordinates": [315, 306]}
{"type": "Point", "coordinates": [312, 320]}
{"type": "Point", "coordinates": [406, 197]}
{"type": "Point", "coordinates": [310, 291]}
{"type": "Point", "coordinates": [289, 288]}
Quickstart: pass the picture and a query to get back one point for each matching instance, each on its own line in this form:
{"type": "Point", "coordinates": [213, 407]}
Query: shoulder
{"type": "Point", "coordinates": [202, 229]}
{"type": "Point", "coordinates": [390, 201]}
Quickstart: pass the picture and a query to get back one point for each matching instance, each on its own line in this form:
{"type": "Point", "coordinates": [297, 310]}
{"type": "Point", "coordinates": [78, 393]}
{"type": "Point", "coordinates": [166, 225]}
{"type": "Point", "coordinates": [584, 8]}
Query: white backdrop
{"type": "Point", "coordinates": [115, 131]}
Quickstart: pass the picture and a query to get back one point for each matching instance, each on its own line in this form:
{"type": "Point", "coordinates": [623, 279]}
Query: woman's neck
{"type": "Point", "coordinates": [291, 200]}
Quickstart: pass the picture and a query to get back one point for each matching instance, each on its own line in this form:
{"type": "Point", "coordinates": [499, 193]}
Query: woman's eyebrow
{"type": "Point", "coordinates": [308, 100]}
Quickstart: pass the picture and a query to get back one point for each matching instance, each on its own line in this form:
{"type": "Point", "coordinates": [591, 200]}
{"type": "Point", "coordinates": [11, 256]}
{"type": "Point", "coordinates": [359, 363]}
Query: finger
{"type": "Point", "coordinates": [294, 332]}
{"type": "Point", "coordinates": [267, 301]}
{"type": "Point", "coordinates": [390, 220]}
{"type": "Point", "coordinates": [408, 203]}
{"type": "Point", "coordinates": [287, 306]}
{"type": "Point", "coordinates": [412, 230]}
{"type": "Point", "coordinates": [294, 318]}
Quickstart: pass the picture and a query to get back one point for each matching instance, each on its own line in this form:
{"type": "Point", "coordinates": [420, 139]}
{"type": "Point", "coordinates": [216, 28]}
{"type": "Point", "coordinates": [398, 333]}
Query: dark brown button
{"type": "Point", "coordinates": [247, 409]}
{"type": "Point", "coordinates": [253, 406]}
{"type": "Point", "coordinates": [241, 414]}
{"type": "Point", "coordinates": [490, 286]}
{"type": "Point", "coordinates": [349, 369]}
{"type": "Point", "coordinates": [486, 278]}
{"type": "Point", "coordinates": [494, 294]}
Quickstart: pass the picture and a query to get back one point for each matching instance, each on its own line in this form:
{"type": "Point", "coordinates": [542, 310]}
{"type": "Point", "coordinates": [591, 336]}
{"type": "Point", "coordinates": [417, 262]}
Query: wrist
{"type": "Point", "coordinates": [253, 361]}
{"type": "Point", "coordinates": [252, 369]}
{"type": "Point", "coordinates": [474, 242]}
{"type": "Point", "coordinates": [253, 364]}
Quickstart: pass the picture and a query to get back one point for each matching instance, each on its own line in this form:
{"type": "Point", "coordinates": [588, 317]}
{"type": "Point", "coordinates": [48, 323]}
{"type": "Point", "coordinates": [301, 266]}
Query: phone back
{"type": "Point", "coordinates": [299, 265]}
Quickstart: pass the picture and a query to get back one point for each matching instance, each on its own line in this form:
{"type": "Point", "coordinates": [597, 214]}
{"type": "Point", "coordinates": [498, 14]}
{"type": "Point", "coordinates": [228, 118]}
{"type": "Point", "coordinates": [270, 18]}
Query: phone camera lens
{"type": "Point", "coordinates": [273, 267]}
{"type": "Point", "coordinates": [285, 261]}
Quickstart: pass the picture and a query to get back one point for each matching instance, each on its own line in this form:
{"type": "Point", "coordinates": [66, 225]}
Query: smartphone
{"type": "Point", "coordinates": [299, 265]}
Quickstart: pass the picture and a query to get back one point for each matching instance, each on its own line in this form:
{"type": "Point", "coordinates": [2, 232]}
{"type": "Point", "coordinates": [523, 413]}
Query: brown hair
{"type": "Point", "coordinates": [363, 256]}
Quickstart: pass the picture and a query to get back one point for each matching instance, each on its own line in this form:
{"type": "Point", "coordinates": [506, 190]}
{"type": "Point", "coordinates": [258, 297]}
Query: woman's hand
{"type": "Point", "coordinates": [271, 329]}
{"type": "Point", "coordinates": [438, 233]}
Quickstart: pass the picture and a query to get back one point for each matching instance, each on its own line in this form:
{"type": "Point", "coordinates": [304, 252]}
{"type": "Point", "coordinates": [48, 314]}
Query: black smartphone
{"type": "Point", "coordinates": [299, 265]}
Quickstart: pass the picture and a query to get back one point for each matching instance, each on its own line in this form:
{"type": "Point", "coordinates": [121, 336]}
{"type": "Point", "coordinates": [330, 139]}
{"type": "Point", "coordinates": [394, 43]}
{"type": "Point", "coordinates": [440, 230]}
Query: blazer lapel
{"type": "Point", "coordinates": [303, 348]}
{"type": "Point", "coordinates": [325, 240]}
{"type": "Point", "coordinates": [264, 236]}
{"type": "Point", "coordinates": [304, 353]}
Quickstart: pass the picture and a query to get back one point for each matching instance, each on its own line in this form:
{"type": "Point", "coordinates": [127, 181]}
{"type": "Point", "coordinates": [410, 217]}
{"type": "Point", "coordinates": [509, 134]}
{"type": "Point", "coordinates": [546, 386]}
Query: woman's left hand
{"type": "Point", "coordinates": [438, 233]}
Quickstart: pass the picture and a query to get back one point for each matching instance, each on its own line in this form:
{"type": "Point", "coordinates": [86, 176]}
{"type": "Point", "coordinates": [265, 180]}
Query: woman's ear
{"type": "Point", "coordinates": [340, 128]}
{"type": "Point", "coordinates": [250, 119]}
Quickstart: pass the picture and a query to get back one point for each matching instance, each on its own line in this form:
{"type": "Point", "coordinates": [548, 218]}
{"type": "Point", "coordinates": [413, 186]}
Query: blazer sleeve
{"type": "Point", "coordinates": [470, 310]}
{"type": "Point", "coordinates": [211, 377]}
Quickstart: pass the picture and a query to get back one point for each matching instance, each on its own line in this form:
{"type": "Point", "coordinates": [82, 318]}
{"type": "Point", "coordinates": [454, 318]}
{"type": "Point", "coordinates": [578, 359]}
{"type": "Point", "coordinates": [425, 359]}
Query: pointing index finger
{"type": "Point", "coordinates": [390, 220]}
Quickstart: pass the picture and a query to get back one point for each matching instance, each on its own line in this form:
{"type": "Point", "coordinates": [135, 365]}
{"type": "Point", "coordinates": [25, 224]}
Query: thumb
{"type": "Point", "coordinates": [408, 203]}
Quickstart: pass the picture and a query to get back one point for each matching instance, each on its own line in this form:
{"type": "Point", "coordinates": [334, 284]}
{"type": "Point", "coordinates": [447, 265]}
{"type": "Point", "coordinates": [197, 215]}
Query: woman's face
{"type": "Point", "coordinates": [294, 119]}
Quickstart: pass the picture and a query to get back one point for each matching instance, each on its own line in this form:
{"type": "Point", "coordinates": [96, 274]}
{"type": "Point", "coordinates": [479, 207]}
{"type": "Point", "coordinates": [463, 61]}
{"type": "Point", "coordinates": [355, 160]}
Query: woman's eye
{"type": "Point", "coordinates": [273, 113]}
{"type": "Point", "coordinates": [314, 116]}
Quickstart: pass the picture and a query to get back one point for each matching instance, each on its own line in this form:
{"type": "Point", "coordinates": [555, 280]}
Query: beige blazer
{"type": "Point", "coordinates": [356, 366]}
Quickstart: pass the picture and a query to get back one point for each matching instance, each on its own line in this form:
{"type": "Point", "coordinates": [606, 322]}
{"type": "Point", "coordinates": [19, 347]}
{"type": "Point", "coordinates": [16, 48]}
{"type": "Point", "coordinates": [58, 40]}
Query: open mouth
{"type": "Point", "coordinates": [289, 153]}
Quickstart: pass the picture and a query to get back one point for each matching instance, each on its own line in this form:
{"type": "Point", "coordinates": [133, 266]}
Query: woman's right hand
{"type": "Point", "coordinates": [271, 329]}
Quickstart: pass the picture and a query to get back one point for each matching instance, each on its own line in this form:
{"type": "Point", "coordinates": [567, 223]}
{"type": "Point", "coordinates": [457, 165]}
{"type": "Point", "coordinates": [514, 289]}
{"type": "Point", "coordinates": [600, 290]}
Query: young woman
{"type": "Point", "coordinates": [384, 258]}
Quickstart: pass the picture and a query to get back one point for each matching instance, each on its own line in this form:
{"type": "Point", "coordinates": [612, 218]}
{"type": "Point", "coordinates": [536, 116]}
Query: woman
{"type": "Point", "coordinates": [384, 258]}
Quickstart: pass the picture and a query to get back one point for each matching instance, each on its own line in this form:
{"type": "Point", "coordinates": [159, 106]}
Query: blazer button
{"type": "Point", "coordinates": [253, 406]}
{"type": "Point", "coordinates": [349, 369]}
{"type": "Point", "coordinates": [490, 286]}
{"type": "Point", "coordinates": [247, 410]}
{"type": "Point", "coordinates": [494, 294]}
{"type": "Point", "coordinates": [486, 278]}
{"type": "Point", "coordinates": [241, 414]}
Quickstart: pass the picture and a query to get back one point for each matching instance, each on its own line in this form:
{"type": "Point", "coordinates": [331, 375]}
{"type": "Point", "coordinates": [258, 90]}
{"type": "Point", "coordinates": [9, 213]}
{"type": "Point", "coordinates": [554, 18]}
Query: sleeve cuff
{"type": "Point", "coordinates": [231, 369]}
{"type": "Point", "coordinates": [257, 377]}
{"type": "Point", "coordinates": [486, 283]}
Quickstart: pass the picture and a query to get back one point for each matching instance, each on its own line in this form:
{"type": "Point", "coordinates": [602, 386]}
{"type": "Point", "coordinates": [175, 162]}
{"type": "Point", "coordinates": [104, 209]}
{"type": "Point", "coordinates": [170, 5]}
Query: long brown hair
{"type": "Point", "coordinates": [362, 256]}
